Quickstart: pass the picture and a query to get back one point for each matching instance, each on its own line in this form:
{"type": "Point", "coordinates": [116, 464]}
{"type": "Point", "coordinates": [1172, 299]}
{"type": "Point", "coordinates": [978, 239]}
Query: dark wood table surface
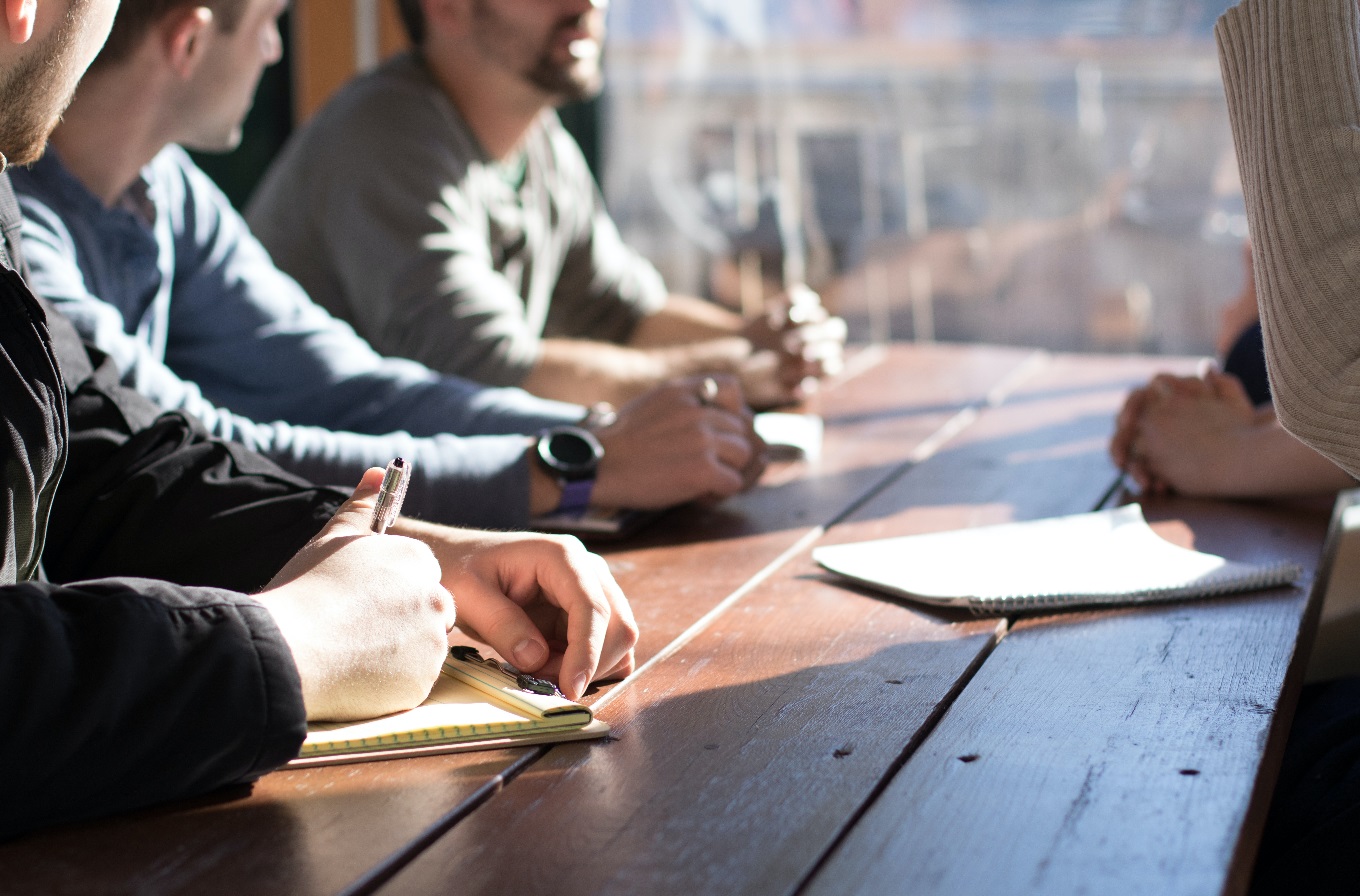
{"type": "Point", "coordinates": [788, 734]}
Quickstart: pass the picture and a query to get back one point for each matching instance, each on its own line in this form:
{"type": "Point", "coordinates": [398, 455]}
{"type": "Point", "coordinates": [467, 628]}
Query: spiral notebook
{"type": "Point", "coordinates": [1109, 557]}
{"type": "Point", "coordinates": [476, 704]}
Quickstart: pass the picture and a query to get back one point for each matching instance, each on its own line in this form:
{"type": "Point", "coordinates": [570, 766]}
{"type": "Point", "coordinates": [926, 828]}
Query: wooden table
{"type": "Point", "coordinates": [787, 734]}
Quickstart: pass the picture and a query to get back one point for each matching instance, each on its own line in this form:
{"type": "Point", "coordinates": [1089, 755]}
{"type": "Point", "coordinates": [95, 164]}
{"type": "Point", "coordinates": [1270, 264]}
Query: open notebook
{"type": "Point", "coordinates": [1101, 558]}
{"type": "Point", "coordinates": [477, 704]}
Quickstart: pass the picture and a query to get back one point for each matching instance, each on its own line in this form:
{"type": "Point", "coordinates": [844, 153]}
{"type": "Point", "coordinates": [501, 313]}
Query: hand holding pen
{"type": "Point", "coordinates": [391, 495]}
{"type": "Point", "coordinates": [365, 619]}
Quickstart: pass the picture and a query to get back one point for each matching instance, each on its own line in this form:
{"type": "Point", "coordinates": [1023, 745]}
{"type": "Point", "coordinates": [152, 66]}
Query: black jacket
{"type": "Point", "coordinates": [117, 688]}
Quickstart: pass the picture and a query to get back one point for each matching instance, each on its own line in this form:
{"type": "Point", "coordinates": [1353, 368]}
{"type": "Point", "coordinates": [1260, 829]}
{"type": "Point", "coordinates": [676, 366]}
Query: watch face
{"type": "Point", "coordinates": [571, 452]}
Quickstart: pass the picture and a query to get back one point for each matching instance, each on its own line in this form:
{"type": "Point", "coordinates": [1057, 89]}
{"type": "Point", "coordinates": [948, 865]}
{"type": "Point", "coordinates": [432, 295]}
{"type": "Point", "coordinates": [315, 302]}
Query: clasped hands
{"type": "Point", "coordinates": [797, 342]}
{"type": "Point", "coordinates": [369, 618]}
{"type": "Point", "coordinates": [1184, 433]}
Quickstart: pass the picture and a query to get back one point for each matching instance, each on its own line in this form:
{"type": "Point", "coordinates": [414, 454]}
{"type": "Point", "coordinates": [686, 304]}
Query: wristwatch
{"type": "Point", "coordinates": [571, 454]}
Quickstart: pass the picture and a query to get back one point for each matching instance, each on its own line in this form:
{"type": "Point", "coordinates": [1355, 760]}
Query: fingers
{"type": "Point", "coordinates": [813, 341]}
{"type": "Point", "coordinates": [488, 614]}
{"type": "Point", "coordinates": [816, 338]}
{"type": "Point", "coordinates": [1126, 428]}
{"type": "Point", "coordinates": [807, 339]}
{"type": "Point", "coordinates": [717, 391]}
{"type": "Point", "coordinates": [797, 306]}
{"type": "Point", "coordinates": [530, 595]}
{"type": "Point", "coordinates": [1169, 385]}
{"type": "Point", "coordinates": [738, 455]}
{"type": "Point", "coordinates": [697, 429]}
{"type": "Point", "coordinates": [600, 632]}
{"type": "Point", "coordinates": [735, 449]}
{"type": "Point", "coordinates": [730, 439]}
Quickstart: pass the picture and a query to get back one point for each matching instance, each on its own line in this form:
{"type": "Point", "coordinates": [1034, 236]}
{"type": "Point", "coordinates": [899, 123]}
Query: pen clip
{"type": "Point", "coordinates": [522, 680]}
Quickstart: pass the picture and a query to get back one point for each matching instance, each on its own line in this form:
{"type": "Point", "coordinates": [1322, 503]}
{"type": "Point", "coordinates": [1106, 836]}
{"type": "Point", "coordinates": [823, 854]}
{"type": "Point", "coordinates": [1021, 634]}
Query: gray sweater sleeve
{"type": "Point", "coordinates": [1291, 69]}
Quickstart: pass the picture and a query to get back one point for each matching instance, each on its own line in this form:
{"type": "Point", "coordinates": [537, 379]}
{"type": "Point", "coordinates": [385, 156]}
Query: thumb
{"type": "Point", "coordinates": [503, 624]}
{"type": "Point", "coordinates": [355, 516]}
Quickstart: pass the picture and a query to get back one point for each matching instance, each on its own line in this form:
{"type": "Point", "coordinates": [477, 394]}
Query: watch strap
{"type": "Point", "coordinates": [575, 496]}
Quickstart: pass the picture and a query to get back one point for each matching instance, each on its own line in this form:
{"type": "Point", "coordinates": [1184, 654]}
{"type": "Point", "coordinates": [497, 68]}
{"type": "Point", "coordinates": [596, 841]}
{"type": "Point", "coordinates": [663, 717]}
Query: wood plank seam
{"type": "Point", "coordinates": [967, 416]}
{"type": "Point", "coordinates": [703, 622]}
{"type": "Point", "coordinates": [389, 867]}
{"type": "Point", "coordinates": [947, 431]}
{"type": "Point", "coordinates": [922, 734]}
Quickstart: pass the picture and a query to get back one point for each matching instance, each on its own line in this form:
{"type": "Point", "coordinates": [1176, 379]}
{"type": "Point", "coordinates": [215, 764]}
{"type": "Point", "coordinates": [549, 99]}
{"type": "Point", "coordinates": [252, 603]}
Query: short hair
{"type": "Point", "coordinates": [136, 17]}
{"type": "Point", "coordinates": [413, 18]}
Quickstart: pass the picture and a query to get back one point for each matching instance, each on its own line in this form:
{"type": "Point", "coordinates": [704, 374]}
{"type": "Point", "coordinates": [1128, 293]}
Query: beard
{"type": "Point", "coordinates": [570, 81]}
{"type": "Point", "coordinates": [35, 91]}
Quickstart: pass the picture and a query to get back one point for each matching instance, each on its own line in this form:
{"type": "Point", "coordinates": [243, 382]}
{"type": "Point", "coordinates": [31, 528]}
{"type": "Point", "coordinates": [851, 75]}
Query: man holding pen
{"type": "Point", "coordinates": [135, 666]}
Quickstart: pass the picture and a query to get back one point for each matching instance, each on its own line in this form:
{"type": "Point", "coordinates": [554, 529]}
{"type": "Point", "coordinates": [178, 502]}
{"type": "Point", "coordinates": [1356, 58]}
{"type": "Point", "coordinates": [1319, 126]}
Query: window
{"type": "Point", "coordinates": [1056, 173]}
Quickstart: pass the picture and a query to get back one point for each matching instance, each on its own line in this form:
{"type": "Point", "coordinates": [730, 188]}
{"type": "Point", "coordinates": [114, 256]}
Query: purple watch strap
{"type": "Point", "coordinates": [575, 496]}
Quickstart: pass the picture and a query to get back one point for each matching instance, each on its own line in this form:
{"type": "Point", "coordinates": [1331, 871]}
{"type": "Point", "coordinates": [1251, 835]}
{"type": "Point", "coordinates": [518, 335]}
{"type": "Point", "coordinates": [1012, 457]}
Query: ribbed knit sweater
{"type": "Point", "coordinates": [1291, 70]}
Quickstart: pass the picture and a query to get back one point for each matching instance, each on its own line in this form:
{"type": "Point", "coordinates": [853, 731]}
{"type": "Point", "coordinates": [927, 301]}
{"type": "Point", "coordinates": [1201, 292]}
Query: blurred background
{"type": "Point", "coordinates": [1053, 173]}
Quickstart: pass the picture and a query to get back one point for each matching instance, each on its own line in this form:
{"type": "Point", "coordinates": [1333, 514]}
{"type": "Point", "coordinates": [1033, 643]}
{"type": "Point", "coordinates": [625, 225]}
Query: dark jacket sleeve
{"type": "Point", "coordinates": [150, 494]}
{"type": "Point", "coordinates": [117, 694]}
{"type": "Point", "coordinates": [122, 692]}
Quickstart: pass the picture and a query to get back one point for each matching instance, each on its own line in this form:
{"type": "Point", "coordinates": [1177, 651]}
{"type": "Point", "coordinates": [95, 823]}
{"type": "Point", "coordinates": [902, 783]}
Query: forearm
{"type": "Point", "coordinates": [321, 375]}
{"type": "Point", "coordinates": [1270, 463]}
{"type": "Point", "coordinates": [585, 372]}
{"type": "Point", "coordinates": [1294, 105]}
{"type": "Point", "coordinates": [123, 693]}
{"type": "Point", "coordinates": [683, 320]}
{"type": "Point", "coordinates": [478, 481]}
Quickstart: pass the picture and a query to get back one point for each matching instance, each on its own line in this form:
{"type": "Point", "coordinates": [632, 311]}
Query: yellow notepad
{"type": "Point", "coordinates": [477, 704]}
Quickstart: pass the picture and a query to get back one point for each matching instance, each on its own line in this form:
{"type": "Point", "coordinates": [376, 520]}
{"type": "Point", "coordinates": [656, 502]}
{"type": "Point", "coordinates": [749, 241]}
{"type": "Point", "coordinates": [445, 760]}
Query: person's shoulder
{"type": "Point", "coordinates": [399, 90]}
{"type": "Point", "coordinates": [55, 205]}
{"type": "Point", "coordinates": [48, 181]}
{"type": "Point", "coordinates": [386, 119]}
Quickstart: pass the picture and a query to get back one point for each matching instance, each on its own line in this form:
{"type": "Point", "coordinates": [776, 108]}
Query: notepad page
{"type": "Point", "coordinates": [1107, 554]}
{"type": "Point", "coordinates": [453, 711]}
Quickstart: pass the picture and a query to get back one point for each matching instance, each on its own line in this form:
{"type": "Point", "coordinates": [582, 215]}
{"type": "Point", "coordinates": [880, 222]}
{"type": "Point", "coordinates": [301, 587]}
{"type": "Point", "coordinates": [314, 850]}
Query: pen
{"type": "Point", "coordinates": [390, 496]}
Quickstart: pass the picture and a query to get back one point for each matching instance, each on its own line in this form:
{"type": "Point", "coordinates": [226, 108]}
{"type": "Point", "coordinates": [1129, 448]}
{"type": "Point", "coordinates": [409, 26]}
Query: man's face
{"type": "Point", "coordinates": [554, 45]}
{"type": "Point", "coordinates": [37, 87]}
{"type": "Point", "coordinates": [223, 86]}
